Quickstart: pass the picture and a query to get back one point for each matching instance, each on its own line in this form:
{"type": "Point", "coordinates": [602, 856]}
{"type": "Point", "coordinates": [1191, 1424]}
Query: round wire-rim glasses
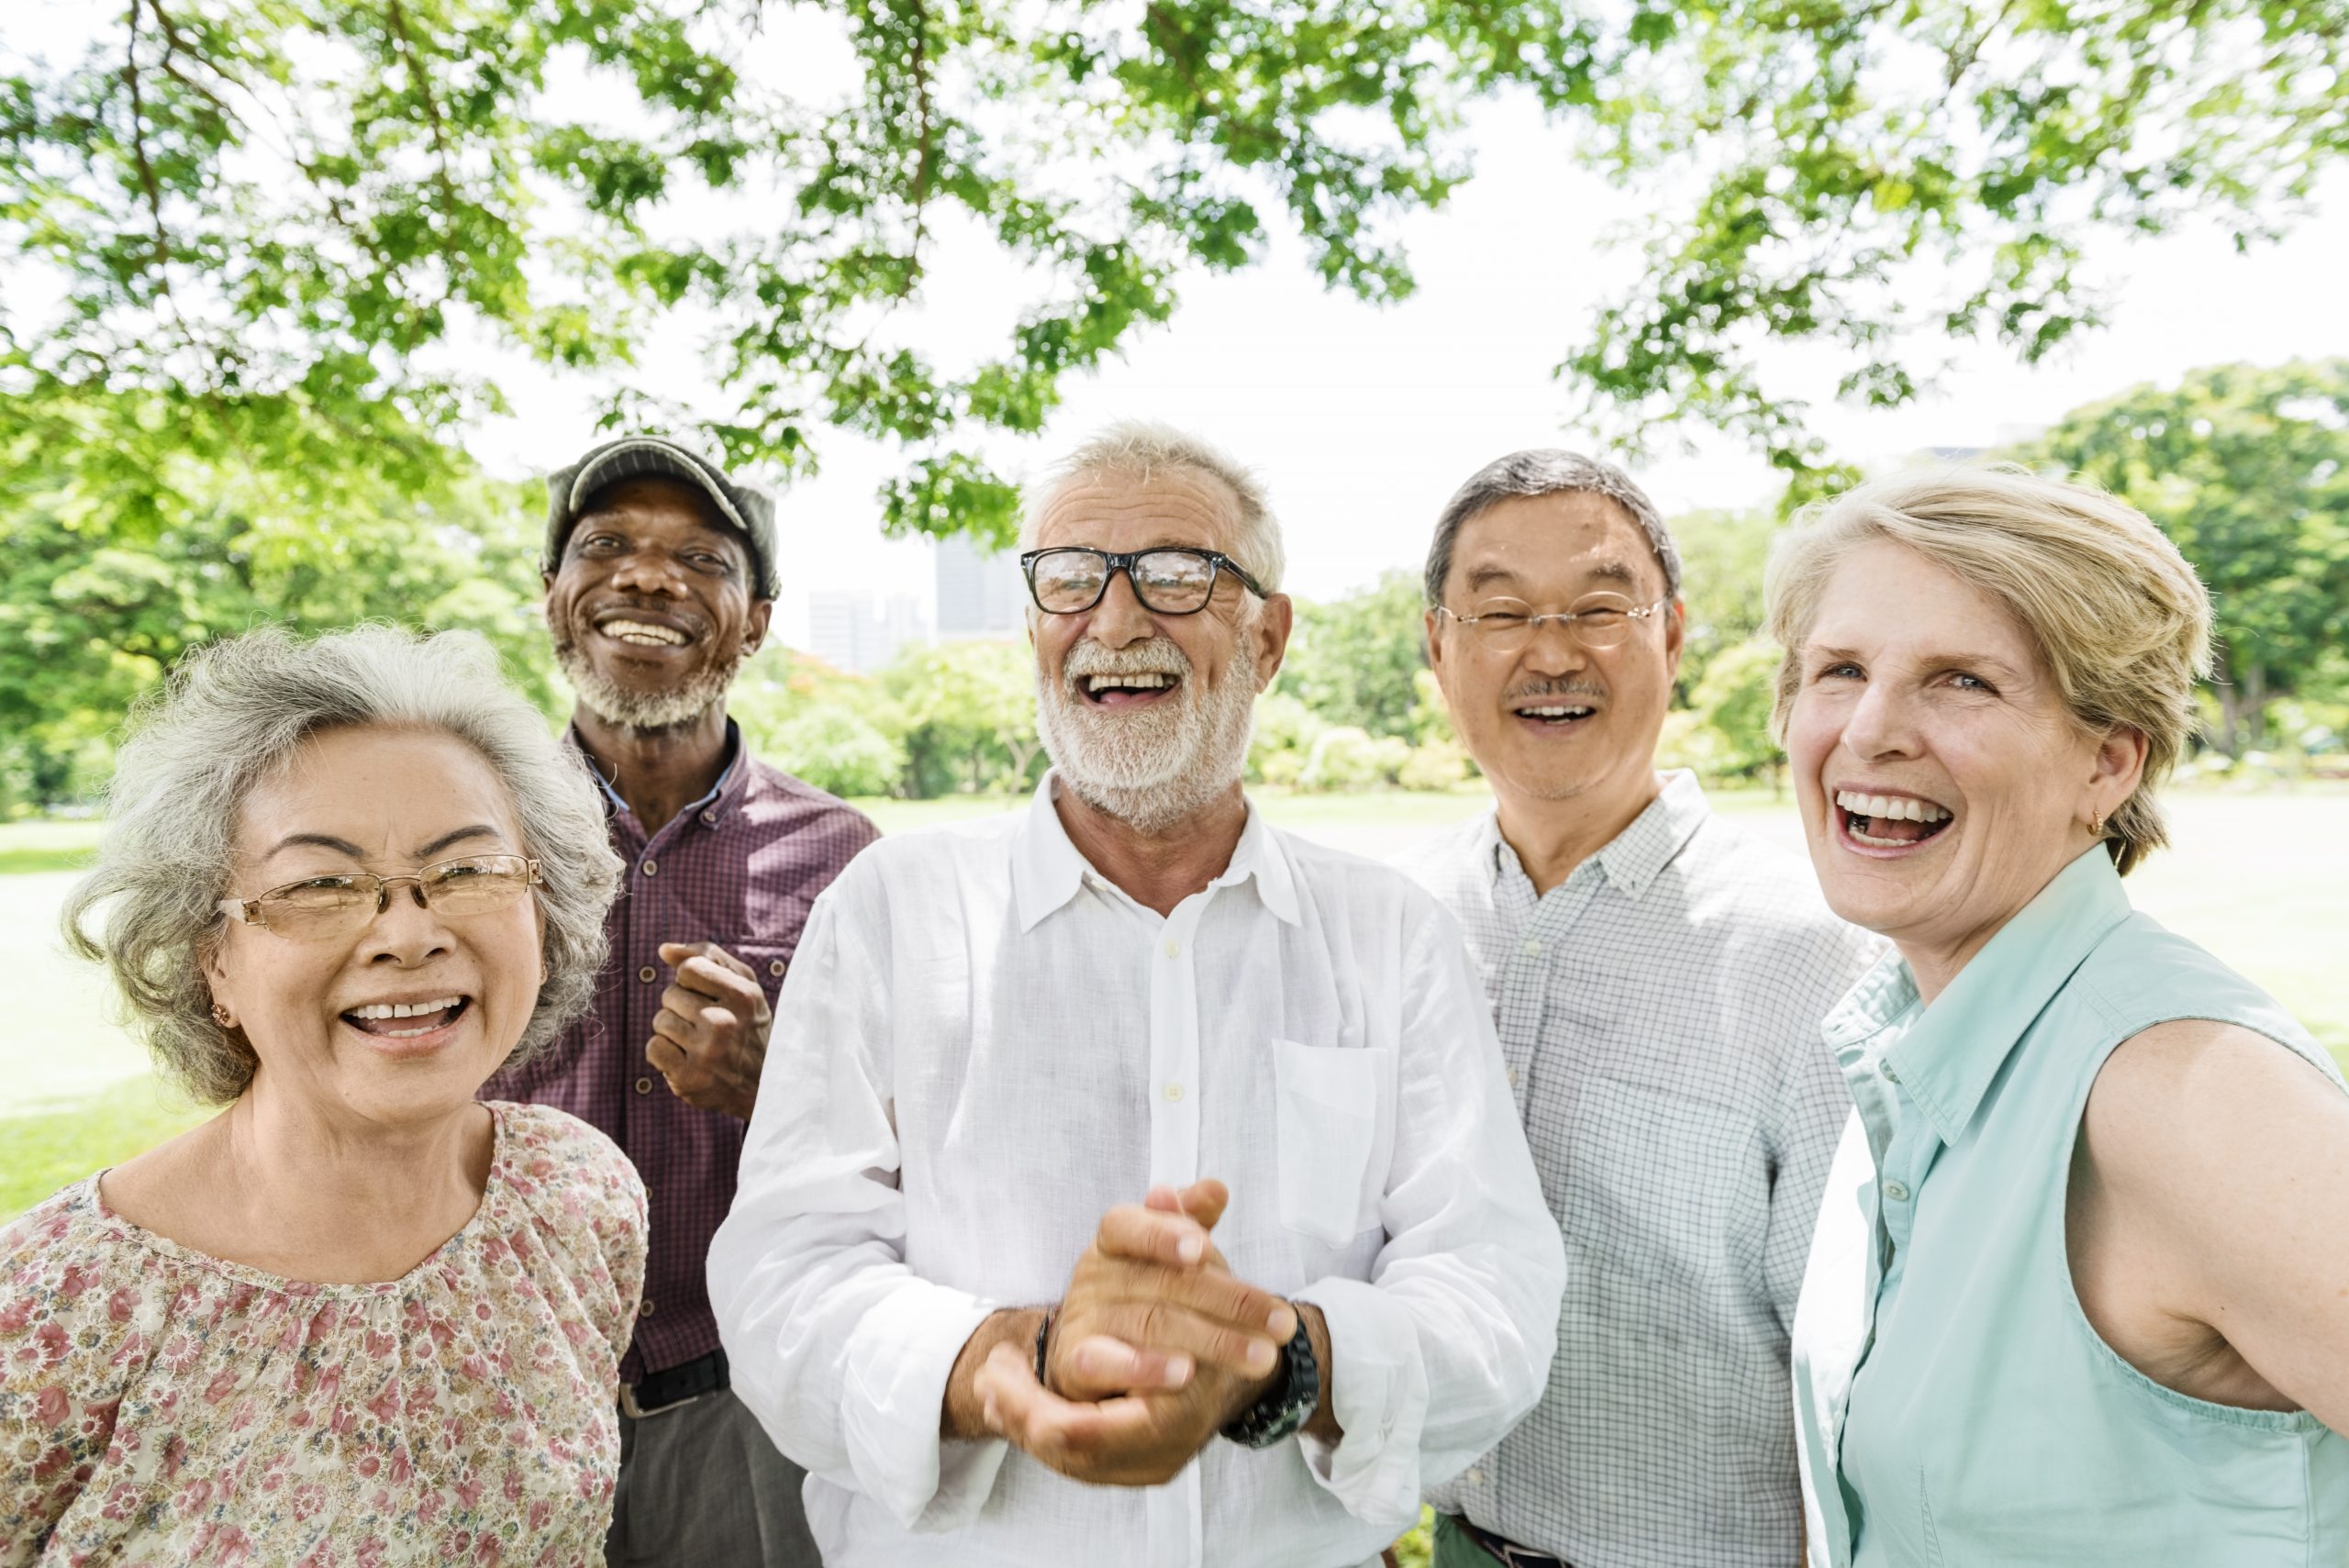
{"type": "Point", "coordinates": [1172, 580]}
{"type": "Point", "coordinates": [317, 907]}
{"type": "Point", "coordinates": [1601, 621]}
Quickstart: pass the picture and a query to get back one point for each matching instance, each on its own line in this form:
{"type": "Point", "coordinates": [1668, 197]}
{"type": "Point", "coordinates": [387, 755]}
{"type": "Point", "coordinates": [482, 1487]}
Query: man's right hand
{"type": "Point", "coordinates": [1152, 1300]}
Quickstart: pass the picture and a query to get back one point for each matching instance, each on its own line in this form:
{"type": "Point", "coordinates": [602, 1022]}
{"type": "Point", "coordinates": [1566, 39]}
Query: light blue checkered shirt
{"type": "Point", "coordinates": [1659, 1016]}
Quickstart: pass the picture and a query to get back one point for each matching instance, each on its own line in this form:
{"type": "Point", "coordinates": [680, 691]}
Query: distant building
{"type": "Point", "coordinates": [979, 595]}
{"type": "Point", "coordinates": [844, 631]}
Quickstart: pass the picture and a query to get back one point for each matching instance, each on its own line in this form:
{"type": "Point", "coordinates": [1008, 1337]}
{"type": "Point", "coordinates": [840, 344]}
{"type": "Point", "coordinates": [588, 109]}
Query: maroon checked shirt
{"type": "Point", "coordinates": [739, 868]}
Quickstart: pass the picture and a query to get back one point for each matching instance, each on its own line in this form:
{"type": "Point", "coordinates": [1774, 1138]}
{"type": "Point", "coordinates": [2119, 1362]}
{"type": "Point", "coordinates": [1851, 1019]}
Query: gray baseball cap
{"type": "Point", "coordinates": [747, 506]}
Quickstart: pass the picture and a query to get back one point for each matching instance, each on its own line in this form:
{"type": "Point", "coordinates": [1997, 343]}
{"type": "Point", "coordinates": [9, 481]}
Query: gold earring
{"type": "Point", "coordinates": [2095, 824]}
{"type": "Point", "coordinates": [220, 1016]}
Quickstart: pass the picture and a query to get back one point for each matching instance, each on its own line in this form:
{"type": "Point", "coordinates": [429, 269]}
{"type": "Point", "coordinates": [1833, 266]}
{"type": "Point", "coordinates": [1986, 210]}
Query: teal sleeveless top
{"type": "Point", "coordinates": [1954, 1405]}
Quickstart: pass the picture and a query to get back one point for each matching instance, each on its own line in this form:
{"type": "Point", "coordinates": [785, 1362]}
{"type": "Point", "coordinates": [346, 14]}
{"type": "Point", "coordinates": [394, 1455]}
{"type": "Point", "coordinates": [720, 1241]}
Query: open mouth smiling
{"type": "Point", "coordinates": [1890, 822]}
{"type": "Point", "coordinates": [409, 1020]}
{"type": "Point", "coordinates": [1130, 688]}
{"type": "Point", "coordinates": [1553, 713]}
{"type": "Point", "coordinates": [638, 630]}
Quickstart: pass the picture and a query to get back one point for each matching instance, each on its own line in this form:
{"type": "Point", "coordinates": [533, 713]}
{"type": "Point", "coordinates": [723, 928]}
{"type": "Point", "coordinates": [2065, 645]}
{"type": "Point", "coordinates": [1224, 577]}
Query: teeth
{"type": "Point", "coordinates": [1140, 680]}
{"type": "Point", "coordinates": [404, 1010]}
{"type": "Point", "coordinates": [1891, 808]}
{"type": "Point", "coordinates": [643, 633]}
{"type": "Point", "coordinates": [1553, 712]}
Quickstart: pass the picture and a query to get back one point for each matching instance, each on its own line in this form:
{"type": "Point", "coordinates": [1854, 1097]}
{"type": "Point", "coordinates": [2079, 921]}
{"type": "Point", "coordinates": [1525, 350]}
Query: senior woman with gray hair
{"type": "Point", "coordinates": [2079, 1291]}
{"type": "Point", "coordinates": [356, 1316]}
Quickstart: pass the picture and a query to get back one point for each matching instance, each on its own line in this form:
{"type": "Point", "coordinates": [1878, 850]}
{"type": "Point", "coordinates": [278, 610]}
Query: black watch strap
{"type": "Point", "coordinates": [1288, 1403]}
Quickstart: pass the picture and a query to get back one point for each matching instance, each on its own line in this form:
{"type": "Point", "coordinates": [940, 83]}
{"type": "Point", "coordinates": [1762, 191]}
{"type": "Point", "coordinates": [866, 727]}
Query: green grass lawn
{"type": "Point", "coordinates": [2257, 878]}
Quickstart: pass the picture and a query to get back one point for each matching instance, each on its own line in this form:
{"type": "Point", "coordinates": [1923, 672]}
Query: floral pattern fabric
{"type": "Point", "coordinates": [157, 1406]}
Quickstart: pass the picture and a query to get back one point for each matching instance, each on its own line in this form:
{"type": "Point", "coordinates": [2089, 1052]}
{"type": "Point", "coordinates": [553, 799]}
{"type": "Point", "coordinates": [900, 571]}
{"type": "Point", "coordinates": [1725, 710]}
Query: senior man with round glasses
{"type": "Point", "coordinates": [1145, 1182]}
{"type": "Point", "coordinates": [1658, 980]}
{"type": "Point", "coordinates": [357, 1316]}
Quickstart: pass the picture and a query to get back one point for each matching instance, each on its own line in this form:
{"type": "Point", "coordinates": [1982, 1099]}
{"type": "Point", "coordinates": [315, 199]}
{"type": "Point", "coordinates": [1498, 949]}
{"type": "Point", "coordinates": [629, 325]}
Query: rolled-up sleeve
{"type": "Point", "coordinates": [1448, 1344]}
{"type": "Point", "coordinates": [837, 1347]}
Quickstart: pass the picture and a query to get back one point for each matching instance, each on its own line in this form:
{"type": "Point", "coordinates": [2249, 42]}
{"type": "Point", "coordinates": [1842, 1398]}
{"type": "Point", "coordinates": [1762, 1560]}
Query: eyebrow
{"type": "Point", "coordinates": [345, 846]}
{"type": "Point", "coordinates": [1605, 572]}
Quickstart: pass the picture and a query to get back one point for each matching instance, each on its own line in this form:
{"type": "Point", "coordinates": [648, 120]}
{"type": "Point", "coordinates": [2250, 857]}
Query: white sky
{"type": "Point", "coordinates": [1363, 419]}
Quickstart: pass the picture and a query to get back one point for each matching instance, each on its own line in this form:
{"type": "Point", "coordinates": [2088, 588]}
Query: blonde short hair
{"type": "Point", "coordinates": [2120, 622]}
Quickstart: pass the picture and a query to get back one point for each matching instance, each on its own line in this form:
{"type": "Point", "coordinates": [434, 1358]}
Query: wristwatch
{"type": "Point", "coordinates": [1288, 1403]}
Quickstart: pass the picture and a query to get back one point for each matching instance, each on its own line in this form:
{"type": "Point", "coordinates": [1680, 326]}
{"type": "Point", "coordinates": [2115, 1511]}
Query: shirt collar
{"type": "Point", "coordinates": [1047, 870]}
{"type": "Point", "coordinates": [733, 779]}
{"type": "Point", "coordinates": [1634, 857]}
{"type": "Point", "coordinates": [1948, 1060]}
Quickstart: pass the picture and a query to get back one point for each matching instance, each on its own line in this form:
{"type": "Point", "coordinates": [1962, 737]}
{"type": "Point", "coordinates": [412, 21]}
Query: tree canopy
{"type": "Point", "coordinates": [326, 206]}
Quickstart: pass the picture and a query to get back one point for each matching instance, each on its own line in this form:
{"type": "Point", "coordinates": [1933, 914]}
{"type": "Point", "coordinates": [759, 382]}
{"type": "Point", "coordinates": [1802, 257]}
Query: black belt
{"type": "Point", "coordinates": [1502, 1550]}
{"type": "Point", "coordinates": [675, 1385]}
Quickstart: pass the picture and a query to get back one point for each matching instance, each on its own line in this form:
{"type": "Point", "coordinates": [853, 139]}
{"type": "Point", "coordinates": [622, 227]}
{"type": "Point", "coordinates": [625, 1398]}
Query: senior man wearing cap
{"type": "Point", "coordinates": [660, 573]}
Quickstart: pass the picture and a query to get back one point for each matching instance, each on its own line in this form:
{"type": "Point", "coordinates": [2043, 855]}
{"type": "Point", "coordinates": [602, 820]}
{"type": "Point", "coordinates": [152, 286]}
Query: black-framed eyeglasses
{"type": "Point", "coordinates": [1170, 581]}
{"type": "Point", "coordinates": [317, 907]}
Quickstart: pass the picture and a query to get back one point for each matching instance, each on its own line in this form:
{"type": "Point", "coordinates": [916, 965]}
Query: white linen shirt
{"type": "Point", "coordinates": [983, 1045]}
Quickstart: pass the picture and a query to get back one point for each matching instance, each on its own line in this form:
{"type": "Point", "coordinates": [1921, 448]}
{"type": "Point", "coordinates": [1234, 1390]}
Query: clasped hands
{"type": "Point", "coordinates": [1154, 1348]}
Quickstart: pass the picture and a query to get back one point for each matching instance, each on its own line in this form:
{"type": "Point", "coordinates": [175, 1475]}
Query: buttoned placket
{"type": "Point", "coordinates": [1530, 963]}
{"type": "Point", "coordinates": [1176, 1514]}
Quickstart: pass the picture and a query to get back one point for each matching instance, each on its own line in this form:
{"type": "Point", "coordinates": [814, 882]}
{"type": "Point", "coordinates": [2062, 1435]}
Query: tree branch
{"type": "Point", "coordinates": [396, 15]}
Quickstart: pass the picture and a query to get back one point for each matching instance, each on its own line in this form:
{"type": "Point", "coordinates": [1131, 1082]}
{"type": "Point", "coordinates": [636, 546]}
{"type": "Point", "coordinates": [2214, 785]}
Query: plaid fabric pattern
{"type": "Point", "coordinates": [1659, 1016]}
{"type": "Point", "coordinates": [739, 868]}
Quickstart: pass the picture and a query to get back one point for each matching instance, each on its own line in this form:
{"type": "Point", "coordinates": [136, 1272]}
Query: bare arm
{"type": "Point", "coordinates": [2210, 1195]}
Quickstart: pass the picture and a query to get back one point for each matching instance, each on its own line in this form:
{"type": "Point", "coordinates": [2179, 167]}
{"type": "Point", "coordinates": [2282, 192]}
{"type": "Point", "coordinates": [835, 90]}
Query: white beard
{"type": "Point", "coordinates": [670, 709]}
{"type": "Point", "coordinates": [1153, 768]}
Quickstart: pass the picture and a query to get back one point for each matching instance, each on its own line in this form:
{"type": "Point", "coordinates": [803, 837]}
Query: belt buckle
{"type": "Point", "coordinates": [635, 1412]}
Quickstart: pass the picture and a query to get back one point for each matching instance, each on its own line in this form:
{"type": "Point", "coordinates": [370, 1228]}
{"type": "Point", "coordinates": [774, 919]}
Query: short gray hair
{"type": "Point", "coordinates": [235, 714]}
{"type": "Point", "coordinates": [1138, 448]}
{"type": "Point", "coordinates": [1547, 471]}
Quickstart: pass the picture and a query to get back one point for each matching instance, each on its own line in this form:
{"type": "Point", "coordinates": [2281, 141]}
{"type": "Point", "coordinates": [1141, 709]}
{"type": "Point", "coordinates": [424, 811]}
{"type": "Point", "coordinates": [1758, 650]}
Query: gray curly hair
{"type": "Point", "coordinates": [234, 714]}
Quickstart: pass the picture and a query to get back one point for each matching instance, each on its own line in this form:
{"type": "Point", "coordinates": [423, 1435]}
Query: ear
{"type": "Point", "coordinates": [754, 636]}
{"type": "Point", "coordinates": [2120, 767]}
{"type": "Point", "coordinates": [1270, 631]}
{"type": "Point", "coordinates": [1676, 637]}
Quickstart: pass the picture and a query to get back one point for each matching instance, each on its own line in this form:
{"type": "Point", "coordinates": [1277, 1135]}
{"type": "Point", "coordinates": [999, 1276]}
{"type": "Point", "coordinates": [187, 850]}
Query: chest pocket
{"type": "Point", "coordinates": [1335, 1115]}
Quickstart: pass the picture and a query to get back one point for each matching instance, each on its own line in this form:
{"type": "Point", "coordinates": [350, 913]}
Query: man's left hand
{"type": "Point", "coordinates": [709, 1039]}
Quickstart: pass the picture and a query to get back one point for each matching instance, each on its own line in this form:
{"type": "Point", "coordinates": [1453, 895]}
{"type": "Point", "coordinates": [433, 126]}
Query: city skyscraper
{"type": "Point", "coordinates": [979, 595]}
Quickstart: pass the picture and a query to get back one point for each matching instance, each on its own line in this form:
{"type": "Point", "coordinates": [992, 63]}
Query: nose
{"type": "Point", "coordinates": [1554, 650]}
{"type": "Point", "coordinates": [650, 571]}
{"type": "Point", "coordinates": [406, 930]}
{"type": "Point", "coordinates": [1119, 620]}
{"type": "Point", "coordinates": [1880, 724]}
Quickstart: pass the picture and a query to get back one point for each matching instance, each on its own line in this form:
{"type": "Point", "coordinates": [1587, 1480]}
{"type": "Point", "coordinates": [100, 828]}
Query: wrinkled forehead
{"type": "Point", "coordinates": [1125, 509]}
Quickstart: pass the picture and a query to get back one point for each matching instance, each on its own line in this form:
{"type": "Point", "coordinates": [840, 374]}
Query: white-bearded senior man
{"type": "Point", "coordinates": [1134, 1181]}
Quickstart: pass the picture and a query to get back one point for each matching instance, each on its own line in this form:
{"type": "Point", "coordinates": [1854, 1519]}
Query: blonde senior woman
{"type": "Point", "coordinates": [356, 1317]}
{"type": "Point", "coordinates": [2078, 1292]}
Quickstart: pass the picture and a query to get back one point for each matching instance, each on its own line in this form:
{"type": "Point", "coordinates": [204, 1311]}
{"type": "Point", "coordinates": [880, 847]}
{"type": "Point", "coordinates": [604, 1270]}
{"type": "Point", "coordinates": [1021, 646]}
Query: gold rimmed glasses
{"type": "Point", "coordinates": [317, 907]}
{"type": "Point", "coordinates": [1599, 621]}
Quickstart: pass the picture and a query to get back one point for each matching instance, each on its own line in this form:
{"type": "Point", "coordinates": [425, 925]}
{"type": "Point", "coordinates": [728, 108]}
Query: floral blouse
{"type": "Point", "coordinates": [157, 1406]}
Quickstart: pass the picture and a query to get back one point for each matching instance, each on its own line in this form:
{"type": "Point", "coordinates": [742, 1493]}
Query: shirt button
{"type": "Point", "coordinates": [644, 1308]}
{"type": "Point", "coordinates": [1530, 947]}
{"type": "Point", "coordinates": [651, 867]}
{"type": "Point", "coordinates": [1173, 1091]}
{"type": "Point", "coordinates": [709, 818]}
{"type": "Point", "coordinates": [776, 967]}
{"type": "Point", "coordinates": [1512, 1077]}
{"type": "Point", "coordinates": [1474, 1478]}
{"type": "Point", "coordinates": [648, 975]}
{"type": "Point", "coordinates": [1896, 1191]}
{"type": "Point", "coordinates": [1174, 948]}
{"type": "Point", "coordinates": [1889, 1075]}
{"type": "Point", "coordinates": [644, 1085]}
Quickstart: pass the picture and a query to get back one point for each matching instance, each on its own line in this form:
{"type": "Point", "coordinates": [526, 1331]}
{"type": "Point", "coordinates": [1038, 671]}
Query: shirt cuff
{"type": "Point", "coordinates": [897, 1363]}
{"type": "Point", "coordinates": [1378, 1385]}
